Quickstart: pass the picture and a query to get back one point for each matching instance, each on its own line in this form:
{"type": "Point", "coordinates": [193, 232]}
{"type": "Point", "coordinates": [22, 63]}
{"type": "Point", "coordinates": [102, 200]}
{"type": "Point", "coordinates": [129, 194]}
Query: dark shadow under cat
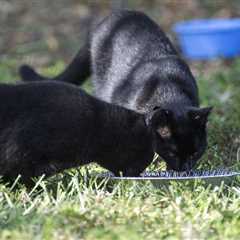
{"type": "Point", "coordinates": [47, 127]}
{"type": "Point", "coordinates": [134, 65]}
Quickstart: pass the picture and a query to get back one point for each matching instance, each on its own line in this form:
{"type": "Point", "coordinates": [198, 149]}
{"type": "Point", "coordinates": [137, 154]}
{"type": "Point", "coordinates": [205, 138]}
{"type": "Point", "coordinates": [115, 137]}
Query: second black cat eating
{"type": "Point", "coordinates": [135, 65]}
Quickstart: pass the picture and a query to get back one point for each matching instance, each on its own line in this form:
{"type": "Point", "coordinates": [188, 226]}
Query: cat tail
{"type": "Point", "coordinates": [28, 74]}
{"type": "Point", "coordinates": [76, 72]}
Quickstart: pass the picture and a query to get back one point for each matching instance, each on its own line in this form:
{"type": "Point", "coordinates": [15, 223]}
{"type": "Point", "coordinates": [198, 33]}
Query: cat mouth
{"type": "Point", "coordinates": [187, 166]}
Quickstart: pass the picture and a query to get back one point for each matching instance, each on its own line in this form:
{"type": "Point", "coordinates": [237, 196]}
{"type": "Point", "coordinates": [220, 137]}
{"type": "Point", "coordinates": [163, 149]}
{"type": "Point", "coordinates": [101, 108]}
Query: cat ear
{"type": "Point", "coordinates": [156, 108]}
{"type": "Point", "coordinates": [200, 115]}
{"type": "Point", "coordinates": [164, 131]}
{"type": "Point", "coordinates": [159, 120]}
{"type": "Point", "coordinates": [164, 112]}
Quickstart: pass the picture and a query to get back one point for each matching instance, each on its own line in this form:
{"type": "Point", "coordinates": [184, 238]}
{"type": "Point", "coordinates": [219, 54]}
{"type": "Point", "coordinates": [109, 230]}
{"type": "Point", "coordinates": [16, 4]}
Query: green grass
{"type": "Point", "coordinates": [71, 206]}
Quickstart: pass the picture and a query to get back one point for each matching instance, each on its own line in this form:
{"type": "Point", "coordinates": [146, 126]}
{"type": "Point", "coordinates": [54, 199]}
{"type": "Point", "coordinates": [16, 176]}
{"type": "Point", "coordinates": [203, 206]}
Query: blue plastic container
{"type": "Point", "coordinates": [209, 39]}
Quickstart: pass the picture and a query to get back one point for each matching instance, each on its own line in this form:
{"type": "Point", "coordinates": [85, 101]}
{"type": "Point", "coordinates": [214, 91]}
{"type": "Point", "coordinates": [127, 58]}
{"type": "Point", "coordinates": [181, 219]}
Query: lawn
{"type": "Point", "coordinates": [73, 206]}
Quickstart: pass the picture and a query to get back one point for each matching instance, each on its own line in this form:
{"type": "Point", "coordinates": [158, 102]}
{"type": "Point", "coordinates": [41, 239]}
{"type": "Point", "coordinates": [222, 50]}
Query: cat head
{"type": "Point", "coordinates": [180, 139]}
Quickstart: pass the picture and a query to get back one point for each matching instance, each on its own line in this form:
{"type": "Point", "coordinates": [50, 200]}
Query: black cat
{"type": "Point", "coordinates": [135, 65]}
{"type": "Point", "coordinates": [46, 127]}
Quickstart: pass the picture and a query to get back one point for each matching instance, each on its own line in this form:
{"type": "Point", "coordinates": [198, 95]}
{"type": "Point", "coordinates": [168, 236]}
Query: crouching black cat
{"type": "Point", "coordinates": [135, 65]}
{"type": "Point", "coordinates": [46, 127]}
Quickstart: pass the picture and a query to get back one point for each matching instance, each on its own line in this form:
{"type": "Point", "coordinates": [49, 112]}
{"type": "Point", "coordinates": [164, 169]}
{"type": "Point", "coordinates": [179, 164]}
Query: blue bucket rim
{"type": "Point", "coordinates": [212, 25]}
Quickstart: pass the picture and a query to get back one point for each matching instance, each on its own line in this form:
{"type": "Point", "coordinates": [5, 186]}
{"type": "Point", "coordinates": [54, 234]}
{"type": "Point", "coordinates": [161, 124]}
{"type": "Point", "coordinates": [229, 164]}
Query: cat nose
{"type": "Point", "coordinates": [187, 166]}
{"type": "Point", "coordinates": [174, 167]}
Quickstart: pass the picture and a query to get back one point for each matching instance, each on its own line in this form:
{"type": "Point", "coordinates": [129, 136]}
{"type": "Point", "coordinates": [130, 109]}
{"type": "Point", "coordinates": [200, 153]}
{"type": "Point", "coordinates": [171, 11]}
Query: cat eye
{"type": "Point", "coordinates": [164, 132]}
{"type": "Point", "coordinates": [194, 154]}
{"type": "Point", "coordinates": [171, 154]}
{"type": "Point", "coordinates": [197, 117]}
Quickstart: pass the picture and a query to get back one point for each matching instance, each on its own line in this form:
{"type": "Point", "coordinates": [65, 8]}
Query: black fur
{"type": "Point", "coordinates": [46, 127]}
{"type": "Point", "coordinates": [135, 65]}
